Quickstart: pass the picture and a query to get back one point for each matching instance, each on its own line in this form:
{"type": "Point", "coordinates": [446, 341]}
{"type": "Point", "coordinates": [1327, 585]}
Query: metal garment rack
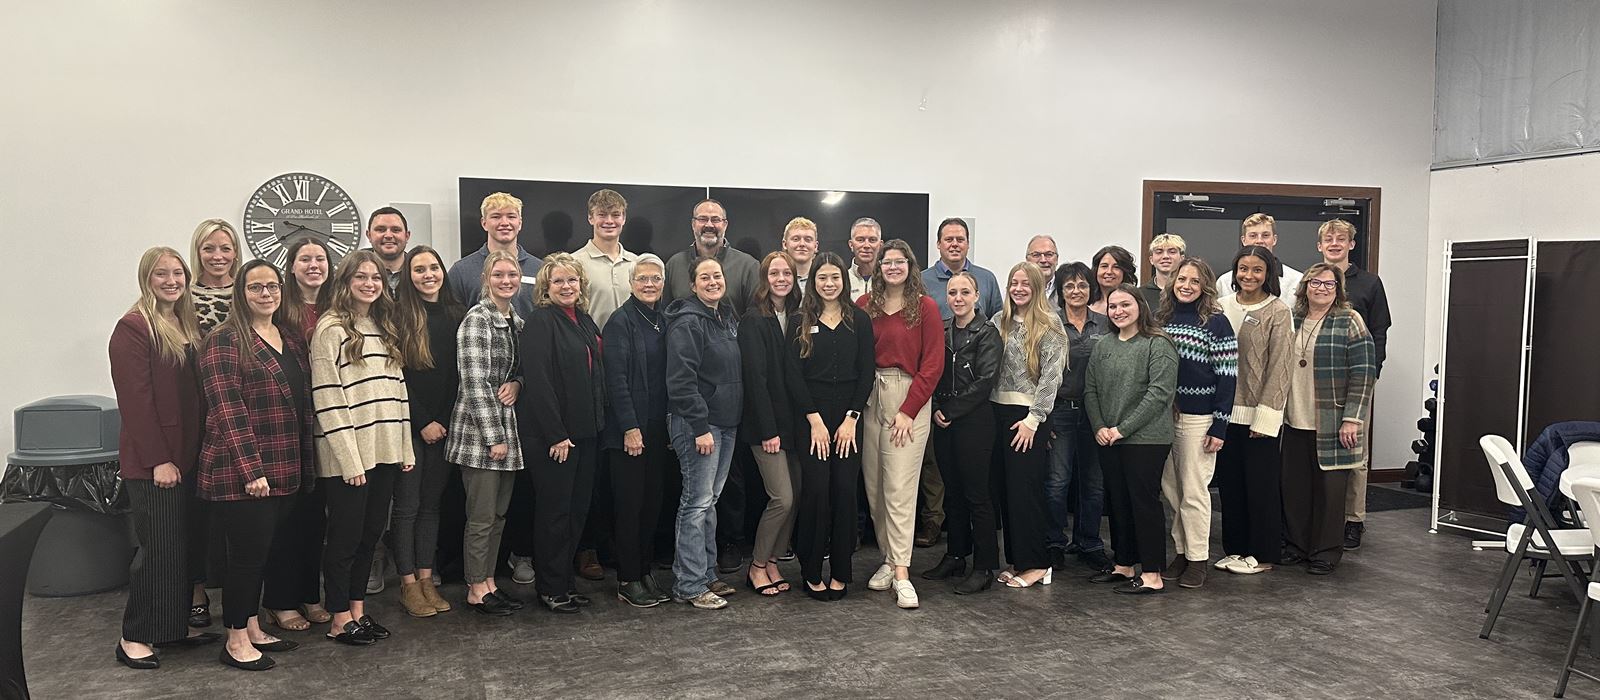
{"type": "Point", "coordinates": [1441, 517]}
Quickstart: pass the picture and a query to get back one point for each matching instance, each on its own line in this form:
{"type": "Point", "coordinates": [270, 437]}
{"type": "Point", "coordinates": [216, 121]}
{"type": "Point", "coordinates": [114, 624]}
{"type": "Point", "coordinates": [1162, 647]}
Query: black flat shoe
{"type": "Point", "coordinates": [1137, 587]}
{"type": "Point", "coordinates": [560, 604]}
{"type": "Point", "coordinates": [352, 634]}
{"type": "Point", "coordinates": [492, 605]}
{"type": "Point", "coordinates": [1317, 567]}
{"type": "Point", "coordinates": [277, 646]}
{"type": "Point", "coordinates": [261, 664]}
{"type": "Point", "coordinates": [579, 599]}
{"type": "Point", "coordinates": [143, 663]}
{"type": "Point", "coordinates": [193, 640]}
{"type": "Point", "coordinates": [200, 614]}
{"type": "Point", "coordinates": [823, 594]}
{"type": "Point", "coordinates": [372, 628]}
{"type": "Point", "coordinates": [1110, 577]}
{"type": "Point", "coordinates": [511, 602]}
{"type": "Point", "coordinates": [836, 594]}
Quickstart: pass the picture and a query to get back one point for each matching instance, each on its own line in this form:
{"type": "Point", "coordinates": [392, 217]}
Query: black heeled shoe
{"type": "Point", "coordinates": [978, 581]}
{"type": "Point", "coordinates": [261, 664]}
{"type": "Point", "coordinates": [143, 663]}
{"type": "Point", "coordinates": [372, 628]}
{"type": "Point", "coordinates": [200, 613]}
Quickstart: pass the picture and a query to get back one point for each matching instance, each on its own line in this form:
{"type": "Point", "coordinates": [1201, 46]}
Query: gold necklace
{"type": "Point", "coordinates": [1309, 337]}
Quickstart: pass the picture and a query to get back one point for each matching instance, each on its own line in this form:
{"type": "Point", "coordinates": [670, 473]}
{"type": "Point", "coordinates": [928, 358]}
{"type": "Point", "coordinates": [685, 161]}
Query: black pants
{"type": "Point", "coordinates": [598, 526]}
{"type": "Point", "coordinates": [357, 516]}
{"type": "Point", "coordinates": [248, 526]}
{"type": "Point", "coordinates": [964, 451]}
{"type": "Point", "coordinates": [294, 568]}
{"type": "Point", "coordinates": [414, 528]}
{"type": "Point", "coordinates": [561, 505]}
{"type": "Point", "coordinates": [636, 499]}
{"type": "Point", "coordinates": [1313, 500]}
{"type": "Point", "coordinates": [518, 537]}
{"type": "Point", "coordinates": [1133, 490]}
{"type": "Point", "coordinates": [205, 543]}
{"type": "Point", "coordinates": [732, 530]}
{"type": "Point", "coordinates": [1022, 476]}
{"type": "Point", "coordinates": [826, 523]}
{"type": "Point", "coordinates": [159, 583]}
{"type": "Point", "coordinates": [1249, 481]}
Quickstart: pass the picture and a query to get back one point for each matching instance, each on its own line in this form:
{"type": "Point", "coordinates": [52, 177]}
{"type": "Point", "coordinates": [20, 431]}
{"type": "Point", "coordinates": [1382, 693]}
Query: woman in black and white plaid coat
{"type": "Point", "coordinates": [483, 429]}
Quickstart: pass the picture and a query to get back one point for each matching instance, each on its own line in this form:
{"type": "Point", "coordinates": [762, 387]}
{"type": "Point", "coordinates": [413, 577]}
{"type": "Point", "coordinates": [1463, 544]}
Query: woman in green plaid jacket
{"type": "Point", "coordinates": [1330, 399]}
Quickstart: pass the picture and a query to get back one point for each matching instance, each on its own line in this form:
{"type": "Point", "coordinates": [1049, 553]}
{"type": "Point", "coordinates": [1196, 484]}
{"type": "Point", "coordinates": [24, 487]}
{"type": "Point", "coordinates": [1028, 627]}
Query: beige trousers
{"type": "Point", "coordinates": [1355, 496]}
{"type": "Point", "coordinates": [1184, 485]}
{"type": "Point", "coordinates": [892, 472]}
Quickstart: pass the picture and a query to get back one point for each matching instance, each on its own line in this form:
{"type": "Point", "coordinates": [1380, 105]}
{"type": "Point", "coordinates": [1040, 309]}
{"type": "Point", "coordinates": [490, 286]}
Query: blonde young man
{"type": "Point", "coordinates": [866, 239]}
{"type": "Point", "coordinates": [1166, 250]}
{"type": "Point", "coordinates": [1335, 240]}
{"type": "Point", "coordinates": [501, 218]}
{"type": "Point", "coordinates": [1042, 252]}
{"type": "Point", "coordinates": [607, 266]}
{"type": "Point", "coordinates": [800, 238]}
{"type": "Point", "coordinates": [1262, 230]}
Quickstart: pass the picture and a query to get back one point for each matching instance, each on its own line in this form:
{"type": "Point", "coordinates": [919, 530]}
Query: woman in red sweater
{"type": "Point", "coordinates": [909, 346]}
{"type": "Point", "coordinates": [153, 372]}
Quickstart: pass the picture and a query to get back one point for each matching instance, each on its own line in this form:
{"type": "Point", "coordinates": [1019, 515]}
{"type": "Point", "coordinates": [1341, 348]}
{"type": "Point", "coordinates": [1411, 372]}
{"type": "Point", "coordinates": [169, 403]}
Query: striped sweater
{"type": "Point", "coordinates": [1208, 365]}
{"type": "Point", "coordinates": [363, 411]}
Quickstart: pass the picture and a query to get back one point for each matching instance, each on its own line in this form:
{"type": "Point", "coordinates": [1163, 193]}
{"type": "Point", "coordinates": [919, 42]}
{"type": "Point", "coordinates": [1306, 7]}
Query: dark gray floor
{"type": "Point", "coordinates": [1398, 620]}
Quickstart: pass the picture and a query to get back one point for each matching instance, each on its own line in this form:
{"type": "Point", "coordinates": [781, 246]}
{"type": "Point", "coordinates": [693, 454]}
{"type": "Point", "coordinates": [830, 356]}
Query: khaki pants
{"type": "Point", "coordinates": [1355, 496]}
{"type": "Point", "coordinates": [892, 472]}
{"type": "Point", "coordinates": [1184, 485]}
{"type": "Point", "coordinates": [488, 496]}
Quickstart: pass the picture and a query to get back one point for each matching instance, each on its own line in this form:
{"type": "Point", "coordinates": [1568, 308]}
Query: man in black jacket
{"type": "Point", "coordinates": [1335, 240]}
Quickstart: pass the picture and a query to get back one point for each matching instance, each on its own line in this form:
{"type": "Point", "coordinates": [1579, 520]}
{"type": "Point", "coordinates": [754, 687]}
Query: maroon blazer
{"type": "Point", "coordinates": [159, 401]}
{"type": "Point", "coordinates": [253, 428]}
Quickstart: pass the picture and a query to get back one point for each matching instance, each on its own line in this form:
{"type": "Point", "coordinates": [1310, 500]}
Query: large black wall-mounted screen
{"type": "Point", "coordinates": [555, 215]}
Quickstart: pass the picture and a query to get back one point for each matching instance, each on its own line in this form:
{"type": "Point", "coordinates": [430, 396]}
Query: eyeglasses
{"type": "Point", "coordinates": [713, 220]}
{"type": "Point", "coordinates": [270, 289]}
{"type": "Point", "coordinates": [652, 279]}
{"type": "Point", "coordinates": [1042, 255]}
{"type": "Point", "coordinates": [895, 262]}
{"type": "Point", "coordinates": [1328, 285]}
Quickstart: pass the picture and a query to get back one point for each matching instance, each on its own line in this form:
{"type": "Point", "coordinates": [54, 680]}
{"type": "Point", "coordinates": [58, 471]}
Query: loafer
{"type": "Point", "coordinates": [1317, 567]}
{"type": "Point", "coordinates": [143, 663]}
{"type": "Point", "coordinates": [200, 615]}
{"type": "Point", "coordinates": [260, 664]}
{"type": "Point", "coordinates": [511, 602]}
{"type": "Point", "coordinates": [1137, 587]}
{"type": "Point", "coordinates": [1193, 577]}
{"type": "Point", "coordinates": [635, 594]}
{"type": "Point", "coordinates": [1288, 558]}
{"type": "Point", "coordinates": [560, 604]}
{"type": "Point", "coordinates": [905, 595]}
{"type": "Point", "coordinates": [352, 634]}
{"type": "Point", "coordinates": [491, 605]}
{"type": "Point", "coordinates": [1222, 564]}
{"type": "Point", "coordinates": [1110, 577]}
{"type": "Point", "coordinates": [881, 579]}
{"type": "Point", "coordinates": [193, 640]}
{"type": "Point", "coordinates": [276, 646]}
{"type": "Point", "coordinates": [373, 629]}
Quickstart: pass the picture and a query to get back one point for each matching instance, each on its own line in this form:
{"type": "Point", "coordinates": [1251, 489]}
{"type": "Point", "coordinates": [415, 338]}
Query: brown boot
{"type": "Point", "coordinates": [589, 565]}
{"type": "Point", "coordinates": [415, 600]}
{"type": "Point", "coordinates": [431, 593]}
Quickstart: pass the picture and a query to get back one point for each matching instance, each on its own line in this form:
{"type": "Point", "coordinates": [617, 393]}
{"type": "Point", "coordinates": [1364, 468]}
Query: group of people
{"type": "Point", "coordinates": [305, 413]}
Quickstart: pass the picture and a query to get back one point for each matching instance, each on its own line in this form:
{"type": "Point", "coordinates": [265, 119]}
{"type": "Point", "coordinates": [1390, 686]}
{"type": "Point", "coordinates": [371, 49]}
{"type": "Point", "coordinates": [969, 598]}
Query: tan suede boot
{"type": "Point", "coordinates": [431, 592]}
{"type": "Point", "coordinates": [415, 600]}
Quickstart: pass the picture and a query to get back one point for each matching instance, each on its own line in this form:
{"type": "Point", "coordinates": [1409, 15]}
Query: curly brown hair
{"type": "Point", "coordinates": [911, 293]}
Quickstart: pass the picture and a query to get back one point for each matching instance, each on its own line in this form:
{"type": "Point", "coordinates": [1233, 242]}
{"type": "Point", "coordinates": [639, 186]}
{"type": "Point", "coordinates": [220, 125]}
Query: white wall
{"type": "Point", "coordinates": [1543, 199]}
{"type": "Point", "coordinates": [126, 123]}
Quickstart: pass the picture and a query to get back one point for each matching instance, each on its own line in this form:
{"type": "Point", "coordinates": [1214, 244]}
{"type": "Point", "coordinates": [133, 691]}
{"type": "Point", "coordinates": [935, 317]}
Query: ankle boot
{"type": "Point", "coordinates": [946, 568]}
{"type": "Point", "coordinates": [976, 582]}
{"type": "Point", "coordinates": [415, 601]}
{"type": "Point", "coordinates": [431, 593]}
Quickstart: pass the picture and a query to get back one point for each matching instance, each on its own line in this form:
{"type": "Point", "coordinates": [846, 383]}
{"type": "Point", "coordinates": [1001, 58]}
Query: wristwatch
{"type": "Point", "coordinates": [853, 414]}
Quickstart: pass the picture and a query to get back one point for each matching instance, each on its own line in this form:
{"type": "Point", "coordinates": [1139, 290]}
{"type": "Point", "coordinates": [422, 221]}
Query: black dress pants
{"type": "Point", "coordinates": [826, 523]}
{"type": "Point", "coordinates": [294, 568]}
{"type": "Point", "coordinates": [248, 527]}
{"type": "Point", "coordinates": [1133, 490]}
{"type": "Point", "coordinates": [159, 584]}
{"type": "Point", "coordinates": [1249, 481]}
{"type": "Point", "coordinates": [1313, 500]}
{"type": "Point", "coordinates": [964, 452]}
{"type": "Point", "coordinates": [1022, 476]}
{"type": "Point", "coordinates": [518, 537]}
{"type": "Point", "coordinates": [562, 491]}
{"type": "Point", "coordinates": [636, 500]}
{"type": "Point", "coordinates": [357, 516]}
{"type": "Point", "coordinates": [732, 511]}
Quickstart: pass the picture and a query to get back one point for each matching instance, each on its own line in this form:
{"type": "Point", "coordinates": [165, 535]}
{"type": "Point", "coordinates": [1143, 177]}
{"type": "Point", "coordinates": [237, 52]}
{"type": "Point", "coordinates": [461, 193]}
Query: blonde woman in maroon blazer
{"type": "Point", "coordinates": [153, 373]}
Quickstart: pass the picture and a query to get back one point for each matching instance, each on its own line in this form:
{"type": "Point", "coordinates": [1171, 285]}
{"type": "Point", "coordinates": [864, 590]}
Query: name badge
{"type": "Point", "coordinates": [1252, 320]}
{"type": "Point", "coordinates": [815, 330]}
{"type": "Point", "coordinates": [530, 279]}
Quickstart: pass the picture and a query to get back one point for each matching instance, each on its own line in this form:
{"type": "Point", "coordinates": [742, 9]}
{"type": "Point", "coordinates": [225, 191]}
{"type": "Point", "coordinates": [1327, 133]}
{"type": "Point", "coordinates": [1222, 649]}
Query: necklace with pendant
{"type": "Point", "coordinates": [653, 324]}
{"type": "Point", "coordinates": [1309, 336]}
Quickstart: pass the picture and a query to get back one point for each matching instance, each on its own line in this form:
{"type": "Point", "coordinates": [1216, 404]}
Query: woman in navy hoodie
{"type": "Point", "coordinates": [704, 392]}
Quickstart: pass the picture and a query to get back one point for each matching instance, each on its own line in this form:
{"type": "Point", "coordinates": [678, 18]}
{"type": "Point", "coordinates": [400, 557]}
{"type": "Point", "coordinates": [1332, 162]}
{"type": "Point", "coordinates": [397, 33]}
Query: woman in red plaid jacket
{"type": "Point", "coordinates": [256, 450]}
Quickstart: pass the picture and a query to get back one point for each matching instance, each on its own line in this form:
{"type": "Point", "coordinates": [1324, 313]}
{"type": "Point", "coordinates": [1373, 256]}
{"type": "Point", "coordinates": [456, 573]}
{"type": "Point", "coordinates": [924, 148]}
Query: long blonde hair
{"type": "Point", "coordinates": [342, 307]}
{"type": "Point", "coordinates": [171, 338]}
{"type": "Point", "coordinates": [1036, 316]}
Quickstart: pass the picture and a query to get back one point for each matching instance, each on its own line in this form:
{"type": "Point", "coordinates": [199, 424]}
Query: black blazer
{"type": "Point", "coordinates": [563, 391]}
{"type": "Point", "coordinates": [630, 387]}
{"type": "Point", "coordinates": [768, 411]}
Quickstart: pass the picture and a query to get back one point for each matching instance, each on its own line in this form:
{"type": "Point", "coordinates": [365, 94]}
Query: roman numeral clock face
{"type": "Point", "coordinates": [290, 206]}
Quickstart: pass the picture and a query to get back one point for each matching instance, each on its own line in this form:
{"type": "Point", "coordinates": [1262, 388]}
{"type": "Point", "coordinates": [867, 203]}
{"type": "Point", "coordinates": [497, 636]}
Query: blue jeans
{"type": "Point", "coordinates": [1074, 461]}
{"type": "Point", "coordinates": [694, 566]}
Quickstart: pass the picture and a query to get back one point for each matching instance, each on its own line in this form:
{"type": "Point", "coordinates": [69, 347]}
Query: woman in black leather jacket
{"type": "Point", "coordinates": [963, 438]}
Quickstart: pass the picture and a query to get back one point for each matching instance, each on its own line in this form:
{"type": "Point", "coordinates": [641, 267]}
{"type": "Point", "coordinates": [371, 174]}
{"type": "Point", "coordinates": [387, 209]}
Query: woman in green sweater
{"type": "Point", "coordinates": [1128, 390]}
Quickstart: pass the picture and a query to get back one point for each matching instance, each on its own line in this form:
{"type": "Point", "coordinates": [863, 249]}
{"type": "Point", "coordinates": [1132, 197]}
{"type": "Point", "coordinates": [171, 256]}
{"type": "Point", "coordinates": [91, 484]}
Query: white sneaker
{"type": "Point", "coordinates": [905, 595]}
{"type": "Point", "coordinates": [881, 580]}
{"type": "Point", "coordinates": [1222, 564]}
{"type": "Point", "coordinates": [521, 569]}
{"type": "Point", "coordinates": [1248, 565]}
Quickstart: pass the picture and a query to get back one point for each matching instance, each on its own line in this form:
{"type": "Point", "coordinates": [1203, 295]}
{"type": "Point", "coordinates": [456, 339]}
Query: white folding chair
{"type": "Point", "coordinates": [1586, 492]}
{"type": "Point", "coordinates": [1530, 540]}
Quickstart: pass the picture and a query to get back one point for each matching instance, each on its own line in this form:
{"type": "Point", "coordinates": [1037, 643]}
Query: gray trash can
{"type": "Point", "coordinates": [67, 455]}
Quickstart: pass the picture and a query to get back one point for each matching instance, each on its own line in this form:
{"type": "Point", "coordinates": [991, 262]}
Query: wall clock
{"type": "Point", "coordinates": [296, 204]}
